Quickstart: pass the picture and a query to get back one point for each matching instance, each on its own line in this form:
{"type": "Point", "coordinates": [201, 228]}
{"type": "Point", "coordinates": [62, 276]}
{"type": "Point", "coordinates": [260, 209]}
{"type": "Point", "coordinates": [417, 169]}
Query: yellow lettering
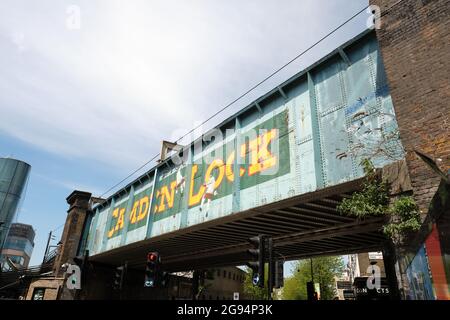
{"type": "Point", "coordinates": [216, 164]}
{"type": "Point", "coordinates": [114, 214]}
{"type": "Point", "coordinates": [133, 212]}
{"type": "Point", "coordinates": [229, 169]}
{"type": "Point", "coordinates": [117, 213]}
{"type": "Point", "coordinates": [143, 208]}
{"type": "Point", "coordinates": [260, 156]}
{"type": "Point", "coordinates": [167, 197]}
{"type": "Point", "coordinates": [195, 198]}
{"type": "Point", "coordinates": [119, 224]}
{"type": "Point", "coordinates": [155, 210]}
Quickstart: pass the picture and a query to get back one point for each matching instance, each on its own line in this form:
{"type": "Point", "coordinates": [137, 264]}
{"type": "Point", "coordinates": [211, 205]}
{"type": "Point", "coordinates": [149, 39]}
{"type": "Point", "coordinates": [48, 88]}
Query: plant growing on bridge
{"type": "Point", "coordinates": [405, 217]}
{"type": "Point", "coordinates": [374, 200]}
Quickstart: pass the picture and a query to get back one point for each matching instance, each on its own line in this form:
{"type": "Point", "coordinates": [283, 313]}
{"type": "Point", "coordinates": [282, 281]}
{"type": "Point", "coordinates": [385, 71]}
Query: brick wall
{"type": "Point", "coordinates": [415, 46]}
{"type": "Point", "coordinates": [51, 286]}
{"type": "Point", "coordinates": [73, 228]}
{"type": "Point", "coordinates": [364, 264]}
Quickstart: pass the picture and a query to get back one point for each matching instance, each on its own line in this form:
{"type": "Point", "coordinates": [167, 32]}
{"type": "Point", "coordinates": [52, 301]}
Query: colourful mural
{"type": "Point", "coordinates": [438, 252]}
{"type": "Point", "coordinates": [421, 287]}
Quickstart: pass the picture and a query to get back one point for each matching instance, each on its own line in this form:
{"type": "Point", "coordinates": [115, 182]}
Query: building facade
{"type": "Point", "coordinates": [224, 284]}
{"type": "Point", "coordinates": [18, 246]}
{"type": "Point", "coordinates": [13, 178]}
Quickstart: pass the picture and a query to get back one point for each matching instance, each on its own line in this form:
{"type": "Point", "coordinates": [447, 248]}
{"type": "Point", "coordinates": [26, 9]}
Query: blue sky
{"type": "Point", "coordinates": [87, 106]}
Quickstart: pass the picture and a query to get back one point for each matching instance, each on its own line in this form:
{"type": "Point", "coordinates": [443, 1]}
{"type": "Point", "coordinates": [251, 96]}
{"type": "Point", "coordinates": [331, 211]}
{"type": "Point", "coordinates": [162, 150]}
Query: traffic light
{"type": "Point", "coordinates": [258, 255]}
{"type": "Point", "coordinates": [119, 276]}
{"type": "Point", "coordinates": [279, 275]}
{"type": "Point", "coordinates": [152, 269]}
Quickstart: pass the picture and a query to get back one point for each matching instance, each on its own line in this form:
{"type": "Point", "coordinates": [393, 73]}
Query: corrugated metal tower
{"type": "Point", "coordinates": [13, 178]}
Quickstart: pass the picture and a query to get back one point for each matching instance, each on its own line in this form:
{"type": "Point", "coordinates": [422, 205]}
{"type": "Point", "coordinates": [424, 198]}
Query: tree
{"type": "Point", "coordinates": [324, 270]}
{"type": "Point", "coordinates": [253, 292]}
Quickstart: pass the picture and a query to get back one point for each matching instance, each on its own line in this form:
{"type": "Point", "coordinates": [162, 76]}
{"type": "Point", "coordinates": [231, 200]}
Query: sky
{"type": "Point", "coordinates": [88, 89]}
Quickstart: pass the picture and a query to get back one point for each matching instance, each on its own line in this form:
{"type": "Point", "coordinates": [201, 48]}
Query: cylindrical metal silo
{"type": "Point", "coordinates": [13, 178]}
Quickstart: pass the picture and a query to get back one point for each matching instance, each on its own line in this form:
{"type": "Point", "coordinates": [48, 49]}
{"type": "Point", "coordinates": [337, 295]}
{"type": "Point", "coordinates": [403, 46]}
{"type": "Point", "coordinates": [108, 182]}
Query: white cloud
{"type": "Point", "coordinates": [68, 184]}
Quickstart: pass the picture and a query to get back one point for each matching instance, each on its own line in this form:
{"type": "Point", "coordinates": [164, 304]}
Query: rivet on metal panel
{"type": "Point", "coordinates": [151, 213]}
{"type": "Point", "coordinates": [317, 141]}
{"type": "Point", "coordinates": [185, 207]}
{"type": "Point", "coordinates": [108, 225]}
{"type": "Point", "coordinates": [127, 211]}
{"type": "Point", "coordinates": [346, 124]}
{"type": "Point", "coordinates": [237, 181]}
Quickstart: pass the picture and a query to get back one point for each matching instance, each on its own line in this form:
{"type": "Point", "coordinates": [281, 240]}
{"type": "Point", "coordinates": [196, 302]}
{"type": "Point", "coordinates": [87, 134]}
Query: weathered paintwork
{"type": "Point", "coordinates": [309, 133]}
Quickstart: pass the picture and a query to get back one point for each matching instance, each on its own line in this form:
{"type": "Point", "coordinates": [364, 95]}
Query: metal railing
{"type": "Point", "coordinates": [51, 256]}
{"type": "Point", "coordinates": [16, 277]}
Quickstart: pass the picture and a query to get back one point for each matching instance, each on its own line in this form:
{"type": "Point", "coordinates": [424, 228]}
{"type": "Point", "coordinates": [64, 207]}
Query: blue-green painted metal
{"type": "Point", "coordinates": [326, 119]}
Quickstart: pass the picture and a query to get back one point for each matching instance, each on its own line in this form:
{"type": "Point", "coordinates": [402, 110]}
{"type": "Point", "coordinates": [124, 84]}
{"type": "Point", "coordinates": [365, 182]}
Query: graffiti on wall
{"type": "Point", "coordinates": [136, 215]}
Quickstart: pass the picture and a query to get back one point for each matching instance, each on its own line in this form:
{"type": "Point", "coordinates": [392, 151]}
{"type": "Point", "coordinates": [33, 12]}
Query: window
{"type": "Point", "coordinates": [38, 294]}
{"type": "Point", "coordinates": [20, 244]}
{"type": "Point", "coordinates": [234, 276]}
{"type": "Point", "coordinates": [224, 274]}
{"type": "Point", "coordinates": [17, 260]}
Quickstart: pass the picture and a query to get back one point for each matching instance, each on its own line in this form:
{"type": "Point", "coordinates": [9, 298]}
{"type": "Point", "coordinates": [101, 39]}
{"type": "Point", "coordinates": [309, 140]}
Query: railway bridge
{"type": "Point", "coordinates": [278, 167]}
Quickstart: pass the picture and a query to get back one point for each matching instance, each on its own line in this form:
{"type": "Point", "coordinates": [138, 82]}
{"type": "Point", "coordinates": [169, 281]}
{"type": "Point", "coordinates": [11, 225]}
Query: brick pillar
{"type": "Point", "coordinates": [414, 40]}
{"type": "Point", "coordinates": [79, 203]}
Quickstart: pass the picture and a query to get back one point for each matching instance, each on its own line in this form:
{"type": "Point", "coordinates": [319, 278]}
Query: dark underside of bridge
{"type": "Point", "coordinates": [303, 226]}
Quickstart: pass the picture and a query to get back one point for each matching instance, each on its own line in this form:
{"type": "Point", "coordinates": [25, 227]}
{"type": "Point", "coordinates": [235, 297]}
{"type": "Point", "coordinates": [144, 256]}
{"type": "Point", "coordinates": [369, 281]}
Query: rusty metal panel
{"type": "Point", "coordinates": [114, 227]}
{"type": "Point", "coordinates": [138, 214]}
{"type": "Point", "coordinates": [97, 232]}
{"type": "Point", "coordinates": [370, 116]}
{"type": "Point", "coordinates": [304, 159]}
{"type": "Point", "coordinates": [122, 222]}
{"type": "Point", "coordinates": [167, 201]}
